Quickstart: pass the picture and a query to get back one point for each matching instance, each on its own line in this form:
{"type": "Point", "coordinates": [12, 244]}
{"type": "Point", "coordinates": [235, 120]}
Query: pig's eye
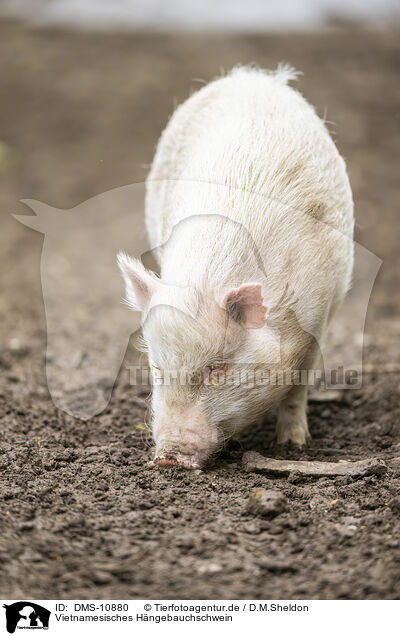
{"type": "Point", "coordinates": [217, 366]}
{"type": "Point", "coordinates": [214, 372]}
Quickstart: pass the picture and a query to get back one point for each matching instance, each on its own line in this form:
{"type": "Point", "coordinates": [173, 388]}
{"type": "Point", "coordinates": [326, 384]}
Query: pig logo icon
{"type": "Point", "coordinates": [26, 615]}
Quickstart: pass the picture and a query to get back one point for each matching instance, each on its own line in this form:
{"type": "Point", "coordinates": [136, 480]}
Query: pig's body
{"type": "Point", "coordinates": [246, 189]}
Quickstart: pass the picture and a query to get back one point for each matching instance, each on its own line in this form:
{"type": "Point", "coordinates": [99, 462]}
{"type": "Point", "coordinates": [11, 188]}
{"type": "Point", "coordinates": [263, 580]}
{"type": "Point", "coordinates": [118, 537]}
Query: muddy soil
{"type": "Point", "coordinates": [81, 514]}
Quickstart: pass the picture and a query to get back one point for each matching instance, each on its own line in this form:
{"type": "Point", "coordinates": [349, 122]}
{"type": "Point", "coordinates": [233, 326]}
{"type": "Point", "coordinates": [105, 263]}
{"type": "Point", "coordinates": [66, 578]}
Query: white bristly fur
{"type": "Point", "coordinates": [246, 187]}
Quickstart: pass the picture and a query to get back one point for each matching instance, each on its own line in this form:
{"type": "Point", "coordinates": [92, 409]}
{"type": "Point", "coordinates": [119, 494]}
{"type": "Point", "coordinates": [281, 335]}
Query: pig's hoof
{"type": "Point", "coordinates": [179, 461]}
{"type": "Point", "coordinates": [296, 435]}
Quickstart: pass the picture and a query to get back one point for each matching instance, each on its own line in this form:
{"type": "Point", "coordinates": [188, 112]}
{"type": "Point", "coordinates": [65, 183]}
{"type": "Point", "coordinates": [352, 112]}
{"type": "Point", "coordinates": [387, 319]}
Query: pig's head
{"type": "Point", "coordinates": [193, 338]}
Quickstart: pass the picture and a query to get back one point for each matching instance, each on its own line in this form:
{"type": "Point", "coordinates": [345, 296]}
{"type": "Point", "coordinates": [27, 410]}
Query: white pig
{"type": "Point", "coordinates": [250, 202]}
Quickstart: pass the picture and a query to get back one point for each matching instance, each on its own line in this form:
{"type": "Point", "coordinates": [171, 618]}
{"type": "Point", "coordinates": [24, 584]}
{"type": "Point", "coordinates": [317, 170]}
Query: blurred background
{"type": "Point", "coordinates": [86, 88]}
{"type": "Point", "coordinates": [226, 15]}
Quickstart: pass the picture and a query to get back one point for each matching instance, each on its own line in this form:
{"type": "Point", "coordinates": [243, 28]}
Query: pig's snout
{"type": "Point", "coordinates": [171, 460]}
{"type": "Point", "coordinates": [184, 437]}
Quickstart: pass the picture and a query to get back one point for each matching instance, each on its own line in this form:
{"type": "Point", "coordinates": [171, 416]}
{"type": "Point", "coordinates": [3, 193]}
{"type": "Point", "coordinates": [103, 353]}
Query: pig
{"type": "Point", "coordinates": [250, 204]}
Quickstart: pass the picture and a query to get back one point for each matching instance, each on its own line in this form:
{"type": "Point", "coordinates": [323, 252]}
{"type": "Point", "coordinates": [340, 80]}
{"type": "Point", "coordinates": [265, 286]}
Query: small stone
{"type": "Point", "coordinates": [277, 566]}
{"type": "Point", "coordinates": [16, 347]}
{"type": "Point", "coordinates": [253, 527]}
{"type": "Point", "coordinates": [266, 503]}
{"type": "Point", "coordinates": [348, 527]}
{"type": "Point", "coordinates": [100, 578]}
{"type": "Point", "coordinates": [209, 568]}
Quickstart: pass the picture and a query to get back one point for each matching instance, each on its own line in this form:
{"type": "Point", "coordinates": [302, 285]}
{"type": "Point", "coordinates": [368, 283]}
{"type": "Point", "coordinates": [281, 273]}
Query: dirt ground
{"type": "Point", "coordinates": [81, 514]}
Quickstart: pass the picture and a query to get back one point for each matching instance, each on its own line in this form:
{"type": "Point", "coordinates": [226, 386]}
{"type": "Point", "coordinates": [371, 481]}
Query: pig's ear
{"type": "Point", "coordinates": [245, 306]}
{"type": "Point", "coordinates": [140, 283]}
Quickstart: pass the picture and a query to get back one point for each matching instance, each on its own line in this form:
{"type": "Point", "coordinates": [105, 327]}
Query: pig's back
{"type": "Point", "coordinates": [250, 147]}
{"type": "Point", "coordinates": [251, 131]}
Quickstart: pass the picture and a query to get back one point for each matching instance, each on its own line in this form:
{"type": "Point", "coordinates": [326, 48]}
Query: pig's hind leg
{"type": "Point", "coordinates": [292, 418]}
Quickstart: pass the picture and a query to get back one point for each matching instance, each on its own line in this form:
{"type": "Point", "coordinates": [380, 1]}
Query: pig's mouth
{"type": "Point", "coordinates": [190, 446]}
{"type": "Point", "coordinates": [169, 460]}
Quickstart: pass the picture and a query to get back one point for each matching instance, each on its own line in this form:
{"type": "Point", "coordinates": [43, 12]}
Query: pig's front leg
{"type": "Point", "coordinates": [292, 418]}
